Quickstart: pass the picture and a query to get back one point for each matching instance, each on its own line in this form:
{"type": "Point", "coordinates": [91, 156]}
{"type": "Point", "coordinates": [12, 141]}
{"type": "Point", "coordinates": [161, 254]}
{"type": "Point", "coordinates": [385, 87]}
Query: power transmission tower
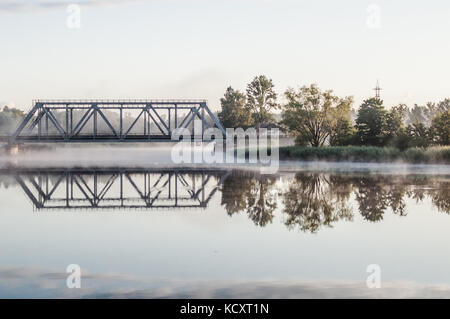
{"type": "Point", "coordinates": [377, 90]}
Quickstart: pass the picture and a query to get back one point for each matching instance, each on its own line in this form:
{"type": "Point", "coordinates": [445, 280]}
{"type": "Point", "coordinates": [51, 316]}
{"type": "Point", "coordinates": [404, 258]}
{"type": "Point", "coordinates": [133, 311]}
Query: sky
{"type": "Point", "coordinates": [197, 48]}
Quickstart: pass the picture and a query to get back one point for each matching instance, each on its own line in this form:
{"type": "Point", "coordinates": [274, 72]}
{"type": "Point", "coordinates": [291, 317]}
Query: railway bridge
{"type": "Point", "coordinates": [110, 121]}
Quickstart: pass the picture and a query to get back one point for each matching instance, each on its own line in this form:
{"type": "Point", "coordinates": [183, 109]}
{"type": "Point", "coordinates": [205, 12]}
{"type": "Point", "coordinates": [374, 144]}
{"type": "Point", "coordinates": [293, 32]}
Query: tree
{"type": "Point", "coordinates": [261, 100]}
{"type": "Point", "coordinates": [234, 112]}
{"type": "Point", "coordinates": [9, 119]}
{"type": "Point", "coordinates": [315, 116]}
{"type": "Point", "coordinates": [418, 135]}
{"type": "Point", "coordinates": [440, 129]}
{"type": "Point", "coordinates": [371, 122]}
{"type": "Point", "coordinates": [394, 121]}
{"type": "Point", "coordinates": [343, 134]}
{"type": "Point", "coordinates": [394, 130]}
{"type": "Point", "coordinates": [425, 114]}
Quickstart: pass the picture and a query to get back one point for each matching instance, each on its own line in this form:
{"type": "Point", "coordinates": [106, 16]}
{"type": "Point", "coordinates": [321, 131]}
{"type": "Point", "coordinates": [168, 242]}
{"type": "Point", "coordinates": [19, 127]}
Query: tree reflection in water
{"type": "Point", "coordinates": [311, 201]}
{"type": "Point", "coordinates": [256, 195]}
{"type": "Point", "coordinates": [314, 200]}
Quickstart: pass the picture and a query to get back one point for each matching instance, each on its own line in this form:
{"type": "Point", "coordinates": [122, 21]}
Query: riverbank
{"type": "Point", "coordinates": [371, 154]}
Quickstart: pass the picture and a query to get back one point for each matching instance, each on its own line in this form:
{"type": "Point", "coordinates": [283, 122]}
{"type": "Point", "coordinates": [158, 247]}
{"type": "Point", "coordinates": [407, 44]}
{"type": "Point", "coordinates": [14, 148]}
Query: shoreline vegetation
{"type": "Point", "coordinates": [327, 127]}
{"type": "Point", "coordinates": [370, 154]}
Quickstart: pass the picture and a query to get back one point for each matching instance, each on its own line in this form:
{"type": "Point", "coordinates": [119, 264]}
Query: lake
{"type": "Point", "coordinates": [308, 231]}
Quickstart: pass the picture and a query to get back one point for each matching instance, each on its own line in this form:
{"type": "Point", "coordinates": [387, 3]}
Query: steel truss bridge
{"type": "Point", "coordinates": [116, 188]}
{"type": "Point", "coordinates": [51, 121]}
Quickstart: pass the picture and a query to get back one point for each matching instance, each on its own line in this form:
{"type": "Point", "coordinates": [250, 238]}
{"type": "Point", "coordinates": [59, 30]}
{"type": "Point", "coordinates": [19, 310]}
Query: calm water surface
{"type": "Point", "coordinates": [160, 232]}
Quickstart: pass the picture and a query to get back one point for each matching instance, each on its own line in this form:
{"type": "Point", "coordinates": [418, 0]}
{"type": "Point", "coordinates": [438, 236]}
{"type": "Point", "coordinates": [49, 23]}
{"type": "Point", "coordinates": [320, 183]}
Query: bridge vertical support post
{"type": "Point", "coordinates": [46, 123]}
{"type": "Point", "coordinates": [149, 128]}
{"type": "Point", "coordinates": [176, 116]}
{"type": "Point", "coordinates": [67, 122]}
{"type": "Point", "coordinates": [95, 121]}
{"type": "Point", "coordinates": [71, 121]}
{"type": "Point", "coordinates": [203, 121]}
{"type": "Point", "coordinates": [145, 123]}
{"type": "Point", "coordinates": [121, 121]}
{"type": "Point", "coordinates": [146, 120]}
{"type": "Point", "coordinates": [169, 131]}
{"type": "Point", "coordinates": [39, 125]}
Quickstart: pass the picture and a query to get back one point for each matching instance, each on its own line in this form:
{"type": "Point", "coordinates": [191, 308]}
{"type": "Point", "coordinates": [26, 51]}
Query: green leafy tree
{"type": "Point", "coordinates": [418, 135]}
{"type": "Point", "coordinates": [371, 122]}
{"type": "Point", "coordinates": [394, 121]}
{"type": "Point", "coordinates": [315, 116]}
{"type": "Point", "coordinates": [343, 134]}
{"type": "Point", "coordinates": [440, 129]}
{"type": "Point", "coordinates": [234, 112]}
{"type": "Point", "coordinates": [395, 133]}
{"type": "Point", "coordinates": [261, 100]}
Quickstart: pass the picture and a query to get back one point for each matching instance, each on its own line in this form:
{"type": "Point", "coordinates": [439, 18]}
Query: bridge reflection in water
{"type": "Point", "coordinates": [115, 188]}
{"type": "Point", "coordinates": [306, 201]}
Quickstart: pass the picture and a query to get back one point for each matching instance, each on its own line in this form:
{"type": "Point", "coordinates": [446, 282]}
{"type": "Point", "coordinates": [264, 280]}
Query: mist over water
{"type": "Point", "coordinates": [160, 155]}
{"type": "Point", "coordinates": [141, 227]}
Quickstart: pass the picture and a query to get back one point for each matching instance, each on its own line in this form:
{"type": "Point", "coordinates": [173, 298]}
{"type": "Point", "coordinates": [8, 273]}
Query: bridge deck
{"type": "Point", "coordinates": [97, 139]}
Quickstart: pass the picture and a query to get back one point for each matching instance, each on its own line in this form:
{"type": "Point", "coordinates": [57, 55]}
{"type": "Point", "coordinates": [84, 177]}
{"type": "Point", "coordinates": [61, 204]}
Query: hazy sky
{"type": "Point", "coordinates": [196, 48]}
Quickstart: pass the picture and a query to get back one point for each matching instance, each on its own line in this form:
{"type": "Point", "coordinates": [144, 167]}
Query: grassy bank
{"type": "Point", "coordinates": [432, 155]}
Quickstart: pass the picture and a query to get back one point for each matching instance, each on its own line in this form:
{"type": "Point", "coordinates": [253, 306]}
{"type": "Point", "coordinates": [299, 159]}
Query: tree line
{"type": "Point", "coordinates": [319, 117]}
